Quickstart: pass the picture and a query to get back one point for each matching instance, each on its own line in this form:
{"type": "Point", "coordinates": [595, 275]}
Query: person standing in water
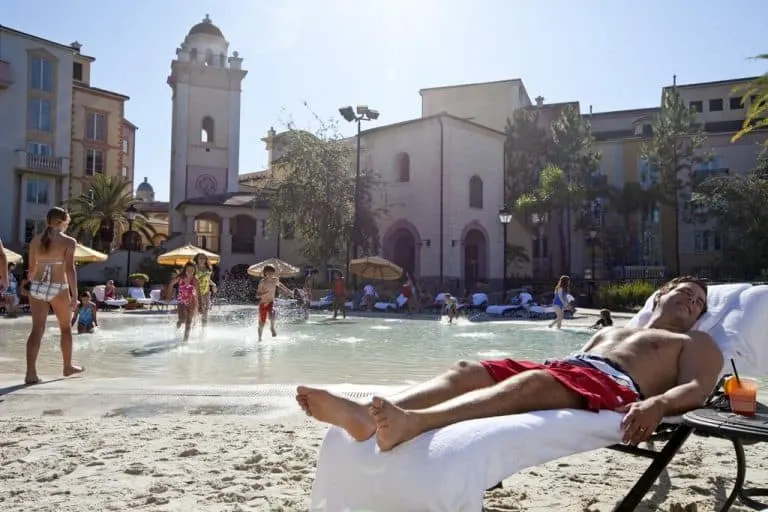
{"type": "Point", "coordinates": [560, 301]}
{"type": "Point", "coordinates": [85, 315]}
{"type": "Point", "coordinates": [205, 286]}
{"type": "Point", "coordinates": [339, 296]}
{"type": "Point", "coordinates": [187, 297]}
{"type": "Point", "coordinates": [53, 286]}
{"type": "Point", "coordinates": [266, 293]}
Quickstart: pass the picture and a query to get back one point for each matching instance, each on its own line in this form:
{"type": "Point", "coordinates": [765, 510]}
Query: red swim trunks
{"type": "Point", "coordinates": [266, 309]}
{"type": "Point", "coordinates": [600, 391]}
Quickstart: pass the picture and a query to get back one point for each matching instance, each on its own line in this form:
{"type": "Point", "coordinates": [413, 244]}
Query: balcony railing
{"type": "Point", "coordinates": [32, 162]}
{"type": "Point", "coordinates": [5, 74]}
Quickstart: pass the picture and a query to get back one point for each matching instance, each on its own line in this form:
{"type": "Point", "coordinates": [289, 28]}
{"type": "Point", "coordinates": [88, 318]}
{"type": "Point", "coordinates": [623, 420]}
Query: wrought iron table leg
{"type": "Point", "coordinates": [741, 474]}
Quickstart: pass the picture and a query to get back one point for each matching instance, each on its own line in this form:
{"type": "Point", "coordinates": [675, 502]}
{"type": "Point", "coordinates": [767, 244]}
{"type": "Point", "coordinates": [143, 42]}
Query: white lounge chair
{"type": "Point", "coordinates": [98, 294]}
{"type": "Point", "coordinates": [138, 294]}
{"type": "Point", "coordinates": [449, 469]}
{"type": "Point", "coordinates": [158, 302]}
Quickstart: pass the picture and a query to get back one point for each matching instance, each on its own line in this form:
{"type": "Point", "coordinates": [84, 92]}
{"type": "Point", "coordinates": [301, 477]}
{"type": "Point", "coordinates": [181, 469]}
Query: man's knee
{"type": "Point", "coordinates": [469, 375]}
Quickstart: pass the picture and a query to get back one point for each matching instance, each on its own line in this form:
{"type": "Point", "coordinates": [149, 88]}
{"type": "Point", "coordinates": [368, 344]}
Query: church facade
{"type": "Point", "coordinates": [441, 174]}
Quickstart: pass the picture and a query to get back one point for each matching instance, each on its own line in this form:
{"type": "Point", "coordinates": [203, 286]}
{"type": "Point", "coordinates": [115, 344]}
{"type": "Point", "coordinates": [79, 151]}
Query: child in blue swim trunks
{"type": "Point", "coordinates": [85, 315]}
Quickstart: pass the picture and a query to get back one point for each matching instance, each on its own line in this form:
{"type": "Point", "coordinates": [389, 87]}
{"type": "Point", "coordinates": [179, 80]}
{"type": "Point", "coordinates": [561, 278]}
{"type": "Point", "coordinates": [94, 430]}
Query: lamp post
{"type": "Point", "coordinates": [592, 241]}
{"type": "Point", "coordinates": [505, 217]}
{"type": "Point", "coordinates": [130, 215]}
{"type": "Point", "coordinates": [357, 115]}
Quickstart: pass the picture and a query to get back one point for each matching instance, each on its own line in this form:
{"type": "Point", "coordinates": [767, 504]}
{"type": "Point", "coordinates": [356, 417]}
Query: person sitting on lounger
{"type": "Point", "coordinates": [658, 370]}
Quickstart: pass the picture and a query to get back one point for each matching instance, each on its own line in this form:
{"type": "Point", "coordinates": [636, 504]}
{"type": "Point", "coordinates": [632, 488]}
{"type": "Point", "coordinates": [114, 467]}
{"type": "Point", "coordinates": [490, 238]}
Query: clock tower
{"type": "Point", "coordinates": [205, 131]}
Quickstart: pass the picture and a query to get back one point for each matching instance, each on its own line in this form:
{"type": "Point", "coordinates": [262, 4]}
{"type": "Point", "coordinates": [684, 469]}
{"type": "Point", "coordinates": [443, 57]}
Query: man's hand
{"type": "Point", "coordinates": [641, 420]}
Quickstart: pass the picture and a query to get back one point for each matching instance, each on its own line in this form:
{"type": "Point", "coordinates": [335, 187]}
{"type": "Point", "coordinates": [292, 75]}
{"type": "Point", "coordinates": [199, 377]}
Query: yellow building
{"type": "Point", "coordinates": [102, 139]}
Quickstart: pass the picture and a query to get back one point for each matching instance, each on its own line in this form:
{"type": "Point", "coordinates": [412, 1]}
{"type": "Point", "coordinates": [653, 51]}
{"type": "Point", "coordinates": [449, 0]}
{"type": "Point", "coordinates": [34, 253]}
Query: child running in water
{"type": "Point", "coordinates": [266, 294]}
{"type": "Point", "coordinates": [85, 315]}
{"type": "Point", "coordinates": [205, 286]}
{"type": "Point", "coordinates": [187, 297]}
{"type": "Point", "coordinates": [452, 305]}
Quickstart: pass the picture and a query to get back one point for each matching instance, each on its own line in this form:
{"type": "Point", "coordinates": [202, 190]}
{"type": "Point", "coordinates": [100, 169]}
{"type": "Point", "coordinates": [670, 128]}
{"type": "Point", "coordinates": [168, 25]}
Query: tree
{"type": "Point", "coordinates": [314, 188]}
{"type": "Point", "coordinates": [517, 255]}
{"type": "Point", "coordinates": [757, 114]}
{"type": "Point", "coordinates": [625, 204]}
{"type": "Point", "coordinates": [673, 154]}
{"type": "Point", "coordinates": [737, 207]}
{"type": "Point", "coordinates": [99, 212]}
{"type": "Point", "coordinates": [525, 154]}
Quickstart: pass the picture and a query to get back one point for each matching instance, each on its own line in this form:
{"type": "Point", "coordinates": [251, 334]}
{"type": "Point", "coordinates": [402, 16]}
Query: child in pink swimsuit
{"type": "Point", "coordinates": [187, 297]}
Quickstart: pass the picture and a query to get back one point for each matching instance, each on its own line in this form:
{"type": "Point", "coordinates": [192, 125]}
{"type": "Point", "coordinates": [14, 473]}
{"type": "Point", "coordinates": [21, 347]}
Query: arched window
{"type": "Point", "coordinates": [475, 192]}
{"type": "Point", "coordinates": [209, 58]}
{"type": "Point", "coordinates": [193, 54]}
{"type": "Point", "coordinates": [206, 134]}
{"type": "Point", "coordinates": [403, 166]}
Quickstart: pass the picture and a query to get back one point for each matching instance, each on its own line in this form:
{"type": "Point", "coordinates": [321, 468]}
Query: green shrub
{"type": "Point", "coordinates": [628, 296]}
{"type": "Point", "coordinates": [139, 276]}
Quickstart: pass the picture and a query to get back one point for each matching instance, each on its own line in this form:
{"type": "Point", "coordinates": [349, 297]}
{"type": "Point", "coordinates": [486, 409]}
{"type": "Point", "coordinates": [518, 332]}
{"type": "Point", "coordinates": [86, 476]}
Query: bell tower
{"type": "Point", "coordinates": [205, 131]}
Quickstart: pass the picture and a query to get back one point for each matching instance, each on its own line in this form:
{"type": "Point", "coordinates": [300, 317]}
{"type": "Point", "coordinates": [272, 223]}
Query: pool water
{"type": "Point", "coordinates": [356, 350]}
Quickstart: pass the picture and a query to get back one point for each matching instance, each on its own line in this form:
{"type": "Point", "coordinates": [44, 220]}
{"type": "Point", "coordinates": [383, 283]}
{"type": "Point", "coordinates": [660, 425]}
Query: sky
{"type": "Point", "coordinates": [610, 54]}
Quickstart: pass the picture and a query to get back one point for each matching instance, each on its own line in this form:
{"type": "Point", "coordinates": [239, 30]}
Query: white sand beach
{"type": "Point", "coordinates": [62, 455]}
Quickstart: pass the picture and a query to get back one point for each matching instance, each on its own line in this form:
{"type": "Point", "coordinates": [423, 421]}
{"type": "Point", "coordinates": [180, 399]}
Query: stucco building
{"type": "Point", "coordinates": [46, 142]}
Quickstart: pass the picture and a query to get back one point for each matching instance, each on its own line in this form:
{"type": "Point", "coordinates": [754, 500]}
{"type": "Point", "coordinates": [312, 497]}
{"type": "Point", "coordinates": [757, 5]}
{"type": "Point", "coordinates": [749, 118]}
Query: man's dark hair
{"type": "Point", "coordinates": [268, 268]}
{"type": "Point", "coordinates": [671, 285]}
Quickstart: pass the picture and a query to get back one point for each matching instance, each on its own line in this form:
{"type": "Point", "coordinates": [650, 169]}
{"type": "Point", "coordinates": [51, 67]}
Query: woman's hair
{"type": "Point", "coordinates": [563, 282]}
{"type": "Point", "coordinates": [53, 218]}
{"type": "Point", "coordinates": [207, 261]}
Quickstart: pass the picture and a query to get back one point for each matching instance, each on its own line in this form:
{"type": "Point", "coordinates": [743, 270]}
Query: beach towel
{"type": "Point", "coordinates": [449, 469]}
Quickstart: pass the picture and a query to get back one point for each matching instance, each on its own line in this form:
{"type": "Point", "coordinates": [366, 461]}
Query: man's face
{"type": "Point", "coordinates": [684, 302]}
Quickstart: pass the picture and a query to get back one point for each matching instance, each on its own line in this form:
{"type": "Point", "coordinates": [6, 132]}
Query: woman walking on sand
{"type": "Point", "coordinates": [53, 286]}
{"type": "Point", "coordinates": [560, 301]}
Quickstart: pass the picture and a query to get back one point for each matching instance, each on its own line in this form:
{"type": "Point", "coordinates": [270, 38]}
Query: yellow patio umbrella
{"type": "Point", "coordinates": [375, 267]}
{"type": "Point", "coordinates": [282, 268]}
{"type": "Point", "coordinates": [13, 257]}
{"type": "Point", "coordinates": [85, 254]}
{"type": "Point", "coordinates": [179, 257]}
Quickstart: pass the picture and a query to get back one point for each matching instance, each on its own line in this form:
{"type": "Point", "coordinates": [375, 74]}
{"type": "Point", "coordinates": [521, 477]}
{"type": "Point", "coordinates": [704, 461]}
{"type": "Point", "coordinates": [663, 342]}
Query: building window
{"type": "Point", "coordinates": [94, 162]}
{"type": "Point", "coordinates": [705, 240]}
{"type": "Point", "coordinates": [31, 228]}
{"type": "Point", "coordinates": [39, 149]}
{"type": "Point", "coordinates": [206, 134]}
{"type": "Point", "coordinates": [41, 74]}
{"type": "Point", "coordinates": [125, 171]}
{"type": "Point", "coordinates": [125, 146]}
{"type": "Point", "coordinates": [39, 114]}
{"type": "Point", "coordinates": [736, 103]}
{"type": "Point", "coordinates": [403, 164]}
{"type": "Point", "coordinates": [77, 71]}
{"type": "Point", "coordinates": [96, 126]}
{"type": "Point", "coordinates": [716, 105]}
{"type": "Point", "coordinates": [696, 106]}
{"type": "Point", "coordinates": [37, 191]}
{"type": "Point", "coordinates": [475, 192]}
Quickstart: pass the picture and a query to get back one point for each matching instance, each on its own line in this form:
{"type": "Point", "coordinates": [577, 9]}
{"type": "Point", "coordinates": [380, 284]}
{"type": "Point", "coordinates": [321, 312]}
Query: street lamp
{"type": "Point", "coordinates": [505, 217]}
{"type": "Point", "coordinates": [358, 115]}
{"type": "Point", "coordinates": [592, 241]}
{"type": "Point", "coordinates": [130, 215]}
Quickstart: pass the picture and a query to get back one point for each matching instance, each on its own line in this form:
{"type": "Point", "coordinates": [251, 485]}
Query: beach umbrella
{"type": "Point", "coordinates": [179, 257]}
{"type": "Point", "coordinates": [282, 268]}
{"type": "Point", "coordinates": [85, 254]}
{"type": "Point", "coordinates": [374, 267]}
{"type": "Point", "coordinates": [13, 257]}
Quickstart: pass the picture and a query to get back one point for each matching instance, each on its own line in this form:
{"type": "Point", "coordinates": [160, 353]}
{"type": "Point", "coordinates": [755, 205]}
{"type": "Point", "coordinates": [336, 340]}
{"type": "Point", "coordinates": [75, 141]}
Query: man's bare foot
{"type": "Point", "coordinates": [393, 424]}
{"type": "Point", "coordinates": [336, 410]}
{"type": "Point", "coordinates": [73, 370]}
{"type": "Point", "coordinates": [32, 380]}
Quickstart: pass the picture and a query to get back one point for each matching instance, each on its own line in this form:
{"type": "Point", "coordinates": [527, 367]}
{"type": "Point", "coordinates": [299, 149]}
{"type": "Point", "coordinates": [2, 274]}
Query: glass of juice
{"type": "Point", "coordinates": [743, 396]}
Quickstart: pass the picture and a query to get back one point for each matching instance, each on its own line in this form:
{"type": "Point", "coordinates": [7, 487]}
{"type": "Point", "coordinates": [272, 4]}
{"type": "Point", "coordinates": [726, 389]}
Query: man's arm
{"type": "Point", "coordinates": [283, 287]}
{"type": "Point", "coordinates": [3, 267]}
{"type": "Point", "coordinates": [699, 367]}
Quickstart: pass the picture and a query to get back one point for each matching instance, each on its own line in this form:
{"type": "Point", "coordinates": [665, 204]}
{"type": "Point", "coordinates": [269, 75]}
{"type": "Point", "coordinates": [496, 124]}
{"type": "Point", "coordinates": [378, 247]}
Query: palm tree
{"type": "Point", "coordinates": [757, 115]}
{"type": "Point", "coordinates": [99, 213]}
{"type": "Point", "coordinates": [626, 204]}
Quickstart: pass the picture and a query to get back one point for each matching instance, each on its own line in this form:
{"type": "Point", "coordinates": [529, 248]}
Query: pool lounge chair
{"type": "Point", "coordinates": [449, 469]}
{"type": "Point", "coordinates": [158, 302]}
{"type": "Point", "coordinates": [138, 294]}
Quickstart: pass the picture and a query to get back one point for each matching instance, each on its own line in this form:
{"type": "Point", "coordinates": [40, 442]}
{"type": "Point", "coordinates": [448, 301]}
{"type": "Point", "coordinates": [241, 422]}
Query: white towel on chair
{"type": "Point", "coordinates": [449, 469]}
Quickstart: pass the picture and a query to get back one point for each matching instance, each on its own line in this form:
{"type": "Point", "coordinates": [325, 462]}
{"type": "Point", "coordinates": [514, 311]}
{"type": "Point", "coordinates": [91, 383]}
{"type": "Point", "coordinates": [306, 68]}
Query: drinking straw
{"type": "Point", "coordinates": [735, 372]}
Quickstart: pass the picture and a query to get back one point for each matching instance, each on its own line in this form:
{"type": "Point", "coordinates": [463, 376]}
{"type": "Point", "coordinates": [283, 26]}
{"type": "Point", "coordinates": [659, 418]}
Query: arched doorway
{"type": "Point", "coordinates": [207, 231]}
{"type": "Point", "coordinates": [404, 250]}
{"type": "Point", "coordinates": [475, 257]}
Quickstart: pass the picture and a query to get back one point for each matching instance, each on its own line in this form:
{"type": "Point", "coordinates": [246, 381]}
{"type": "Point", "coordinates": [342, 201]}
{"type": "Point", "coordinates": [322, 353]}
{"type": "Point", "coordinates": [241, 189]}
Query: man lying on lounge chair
{"type": "Point", "coordinates": [658, 370]}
